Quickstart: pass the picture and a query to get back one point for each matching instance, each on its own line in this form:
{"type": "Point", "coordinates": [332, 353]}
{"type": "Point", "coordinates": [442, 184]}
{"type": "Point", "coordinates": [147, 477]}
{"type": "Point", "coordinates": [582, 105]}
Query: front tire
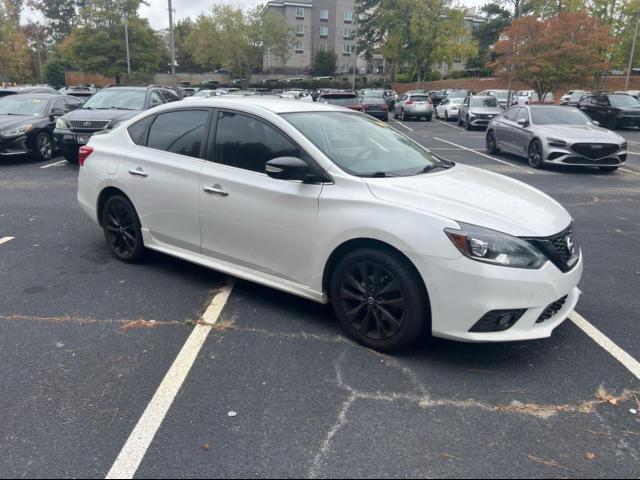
{"type": "Point", "coordinates": [44, 148]}
{"type": "Point", "coordinates": [122, 229]}
{"type": "Point", "coordinates": [492, 144]}
{"type": "Point", "coordinates": [446, 116]}
{"type": "Point", "coordinates": [467, 124]}
{"type": "Point", "coordinates": [378, 298]}
{"type": "Point", "coordinates": [535, 155]}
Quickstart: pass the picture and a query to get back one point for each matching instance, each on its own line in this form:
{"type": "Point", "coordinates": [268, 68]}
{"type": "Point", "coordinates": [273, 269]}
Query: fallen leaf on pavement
{"type": "Point", "coordinates": [590, 456]}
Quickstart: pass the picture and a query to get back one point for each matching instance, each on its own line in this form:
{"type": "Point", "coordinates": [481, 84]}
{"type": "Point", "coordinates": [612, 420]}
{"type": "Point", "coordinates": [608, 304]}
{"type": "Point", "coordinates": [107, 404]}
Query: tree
{"type": "Point", "coordinates": [486, 34]}
{"type": "Point", "coordinates": [324, 65]}
{"type": "Point", "coordinates": [570, 47]}
{"type": "Point", "coordinates": [61, 15]}
{"type": "Point", "coordinates": [419, 34]}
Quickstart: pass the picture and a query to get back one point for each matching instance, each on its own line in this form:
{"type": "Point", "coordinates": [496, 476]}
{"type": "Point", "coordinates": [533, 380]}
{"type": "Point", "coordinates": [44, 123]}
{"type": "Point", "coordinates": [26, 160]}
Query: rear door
{"type": "Point", "coordinates": [522, 135]}
{"type": "Point", "coordinates": [163, 175]}
{"type": "Point", "coordinates": [504, 124]}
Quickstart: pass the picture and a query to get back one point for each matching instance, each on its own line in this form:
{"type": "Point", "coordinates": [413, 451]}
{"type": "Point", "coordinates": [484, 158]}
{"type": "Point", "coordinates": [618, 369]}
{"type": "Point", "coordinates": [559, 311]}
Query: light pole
{"type": "Point", "coordinates": [126, 41]}
{"type": "Point", "coordinates": [633, 51]}
{"type": "Point", "coordinates": [355, 49]}
{"type": "Point", "coordinates": [172, 48]}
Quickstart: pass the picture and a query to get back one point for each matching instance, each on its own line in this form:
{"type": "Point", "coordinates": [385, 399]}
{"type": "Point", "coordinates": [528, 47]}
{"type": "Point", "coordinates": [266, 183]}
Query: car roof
{"type": "Point", "coordinates": [42, 96]}
{"type": "Point", "coordinates": [257, 104]}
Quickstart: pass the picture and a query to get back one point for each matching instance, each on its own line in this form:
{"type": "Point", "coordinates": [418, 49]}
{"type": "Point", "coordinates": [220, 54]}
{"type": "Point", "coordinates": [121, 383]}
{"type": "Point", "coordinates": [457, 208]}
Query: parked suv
{"type": "Point", "coordinates": [612, 110]}
{"type": "Point", "coordinates": [414, 105]}
{"type": "Point", "coordinates": [103, 111]}
{"type": "Point", "coordinates": [478, 111]}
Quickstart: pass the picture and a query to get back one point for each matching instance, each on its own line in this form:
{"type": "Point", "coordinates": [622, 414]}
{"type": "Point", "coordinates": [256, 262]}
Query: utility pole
{"type": "Point", "coordinates": [126, 41]}
{"type": "Point", "coordinates": [172, 48]}
{"type": "Point", "coordinates": [633, 51]}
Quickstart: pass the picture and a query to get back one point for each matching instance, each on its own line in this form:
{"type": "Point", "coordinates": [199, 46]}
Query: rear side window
{"type": "Point", "coordinates": [248, 143]}
{"type": "Point", "coordinates": [138, 131]}
{"type": "Point", "coordinates": [180, 132]}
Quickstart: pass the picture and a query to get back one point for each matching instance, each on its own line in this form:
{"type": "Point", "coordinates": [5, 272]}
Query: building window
{"type": "Point", "coordinates": [324, 47]}
{"type": "Point", "coordinates": [348, 34]}
{"type": "Point", "coordinates": [324, 32]}
{"type": "Point", "coordinates": [324, 15]}
{"type": "Point", "coordinates": [348, 17]}
{"type": "Point", "coordinates": [345, 67]}
{"type": "Point", "coordinates": [300, 30]}
{"type": "Point", "coordinates": [348, 49]}
{"type": "Point", "coordinates": [299, 46]}
{"type": "Point", "coordinates": [300, 13]}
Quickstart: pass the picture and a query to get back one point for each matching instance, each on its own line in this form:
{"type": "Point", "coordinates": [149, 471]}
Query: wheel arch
{"type": "Point", "coordinates": [105, 195]}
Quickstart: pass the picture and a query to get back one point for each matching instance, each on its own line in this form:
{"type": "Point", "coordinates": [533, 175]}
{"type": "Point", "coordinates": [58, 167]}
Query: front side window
{"type": "Point", "coordinates": [180, 132]}
{"type": "Point", "coordinates": [248, 143]}
{"type": "Point", "coordinates": [511, 114]}
{"type": "Point", "coordinates": [155, 99]}
{"type": "Point", "coordinates": [523, 114]}
{"type": "Point", "coordinates": [363, 146]}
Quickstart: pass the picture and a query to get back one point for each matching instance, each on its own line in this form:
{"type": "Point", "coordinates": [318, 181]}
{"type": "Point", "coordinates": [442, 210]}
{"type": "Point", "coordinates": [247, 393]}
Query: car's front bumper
{"type": "Point", "coordinates": [462, 291]}
{"type": "Point", "coordinates": [14, 146]}
{"type": "Point", "coordinates": [566, 156]}
{"type": "Point", "coordinates": [70, 141]}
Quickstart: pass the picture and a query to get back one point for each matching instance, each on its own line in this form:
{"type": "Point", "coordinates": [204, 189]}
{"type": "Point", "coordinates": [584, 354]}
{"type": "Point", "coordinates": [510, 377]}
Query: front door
{"type": "Point", "coordinates": [248, 218]}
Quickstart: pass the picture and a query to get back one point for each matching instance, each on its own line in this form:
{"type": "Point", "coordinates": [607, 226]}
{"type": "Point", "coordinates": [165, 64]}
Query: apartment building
{"type": "Point", "coordinates": [317, 25]}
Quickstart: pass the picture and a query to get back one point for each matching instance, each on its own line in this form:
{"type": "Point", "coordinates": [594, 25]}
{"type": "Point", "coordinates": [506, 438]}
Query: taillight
{"type": "Point", "coordinates": [410, 102]}
{"type": "Point", "coordinates": [84, 154]}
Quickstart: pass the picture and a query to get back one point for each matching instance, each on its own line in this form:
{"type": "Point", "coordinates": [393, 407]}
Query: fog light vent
{"type": "Point", "coordinates": [552, 310]}
{"type": "Point", "coordinates": [498, 321]}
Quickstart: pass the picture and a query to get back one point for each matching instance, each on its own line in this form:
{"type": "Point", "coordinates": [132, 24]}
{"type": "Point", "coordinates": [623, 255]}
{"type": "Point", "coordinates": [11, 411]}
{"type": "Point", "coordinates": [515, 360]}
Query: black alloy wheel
{"type": "Point", "coordinates": [467, 124]}
{"type": "Point", "coordinates": [44, 147]}
{"type": "Point", "coordinates": [378, 300]}
{"type": "Point", "coordinates": [536, 154]}
{"type": "Point", "coordinates": [122, 229]}
{"type": "Point", "coordinates": [492, 146]}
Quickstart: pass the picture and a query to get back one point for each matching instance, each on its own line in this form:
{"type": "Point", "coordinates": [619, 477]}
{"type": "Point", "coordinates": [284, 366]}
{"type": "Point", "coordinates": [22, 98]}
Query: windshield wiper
{"type": "Point", "coordinates": [379, 175]}
{"type": "Point", "coordinates": [431, 168]}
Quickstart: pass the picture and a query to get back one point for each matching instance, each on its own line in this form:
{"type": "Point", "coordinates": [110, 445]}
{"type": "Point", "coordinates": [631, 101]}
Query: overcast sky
{"type": "Point", "coordinates": [157, 14]}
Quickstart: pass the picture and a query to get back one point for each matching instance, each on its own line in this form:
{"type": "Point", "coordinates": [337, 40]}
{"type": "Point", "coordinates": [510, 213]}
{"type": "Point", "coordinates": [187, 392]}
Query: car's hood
{"type": "Point", "coordinates": [579, 133]}
{"type": "Point", "coordinates": [13, 121]}
{"type": "Point", "coordinates": [116, 116]}
{"type": "Point", "coordinates": [485, 110]}
{"type": "Point", "coordinates": [478, 197]}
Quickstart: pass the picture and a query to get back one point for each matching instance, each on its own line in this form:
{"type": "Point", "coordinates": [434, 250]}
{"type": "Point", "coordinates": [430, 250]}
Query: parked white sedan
{"type": "Point", "coordinates": [333, 205]}
{"type": "Point", "coordinates": [448, 108]}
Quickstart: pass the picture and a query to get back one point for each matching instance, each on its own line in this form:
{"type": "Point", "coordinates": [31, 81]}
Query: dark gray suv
{"type": "Point", "coordinates": [103, 111]}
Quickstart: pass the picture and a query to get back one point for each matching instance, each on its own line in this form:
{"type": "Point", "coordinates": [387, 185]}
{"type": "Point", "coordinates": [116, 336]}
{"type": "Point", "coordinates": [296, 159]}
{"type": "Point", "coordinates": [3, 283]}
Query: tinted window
{"type": "Point", "coordinates": [623, 101]}
{"type": "Point", "coordinates": [247, 143]}
{"type": "Point", "coordinates": [155, 99]}
{"type": "Point", "coordinates": [119, 98]}
{"type": "Point", "coordinates": [419, 98]}
{"type": "Point", "coordinates": [138, 131]}
{"type": "Point", "coordinates": [179, 132]}
{"type": "Point", "coordinates": [523, 114]}
{"type": "Point", "coordinates": [489, 102]}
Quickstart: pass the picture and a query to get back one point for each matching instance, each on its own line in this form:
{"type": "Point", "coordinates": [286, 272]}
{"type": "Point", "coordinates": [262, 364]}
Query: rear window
{"type": "Point", "coordinates": [419, 98]}
{"type": "Point", "coordinates": [339, 99]}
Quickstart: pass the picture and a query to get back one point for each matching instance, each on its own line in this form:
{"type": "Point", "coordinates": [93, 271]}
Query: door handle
{"type": "Point", "coordinates": [216, 190]}
{"type": "Point", "coordinates": [138, 172]}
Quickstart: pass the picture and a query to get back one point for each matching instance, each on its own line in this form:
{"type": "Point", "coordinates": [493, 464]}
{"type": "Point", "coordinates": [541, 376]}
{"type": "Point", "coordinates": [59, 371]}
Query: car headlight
{"type": "Point", "coordinates": [15, 132]}
{"type": "Point", "coordinates": [496, 248]}
{"type": "Point", "coordinates": [472, 115]}
{"type": "Point", "coordinates": [62, 123]}
{"type": "Point", "coordinates": [556, 142]}
{"type": "Point", "coordinates": [623, 146]}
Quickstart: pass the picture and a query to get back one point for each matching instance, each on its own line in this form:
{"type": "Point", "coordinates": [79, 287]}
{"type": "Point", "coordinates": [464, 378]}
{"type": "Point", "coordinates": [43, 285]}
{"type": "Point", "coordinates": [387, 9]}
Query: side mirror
{"type": "Point", "coordinates": [57, 112]}
{"type": "Point", "coordinates": [597, 124]}
{"type": "Point", "coordinates": [287, 168]}
{"type": "Point", "coordinates": [523, 122]}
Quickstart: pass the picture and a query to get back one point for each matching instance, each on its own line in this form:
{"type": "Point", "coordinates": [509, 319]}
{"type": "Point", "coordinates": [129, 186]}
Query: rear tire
{"type": "Point", "coordinates": [122, 229]}
{"type": "Point", "coordinates": [378, 298]}
{"type": "Point", "coordinates": [429, 118]}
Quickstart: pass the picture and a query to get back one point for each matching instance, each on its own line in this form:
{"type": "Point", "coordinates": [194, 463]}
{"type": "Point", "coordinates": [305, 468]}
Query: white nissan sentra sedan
{"type": "Point", "coordinates": [335, 206]}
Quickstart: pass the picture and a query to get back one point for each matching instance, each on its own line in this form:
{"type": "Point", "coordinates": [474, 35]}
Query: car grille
{"type": "Point", "coordinates": [560, 249]}
{"type": "Point", "coordinates": [552, 310]}
{"type": "Point", "coordinates": [89, 124]}
{"type": "Point", "coordinates": [595, 150]}
{"type": "Point", "coordinates": [601, 161]}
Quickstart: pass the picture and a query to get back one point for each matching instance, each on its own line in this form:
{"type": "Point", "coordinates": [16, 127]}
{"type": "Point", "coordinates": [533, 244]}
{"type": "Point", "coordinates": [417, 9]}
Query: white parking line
{"type": "Point", "coordinates": [56, 164]}
{"type": "Point", "coordinates": [402, 124]}
{"type": "Point", "coordinates": [631, 141]}
{"type": "Point", "coordinates": [138, 442]}
{"type": "Point", "coordinates": [6, 239]}
{"type": "Point", "coordinates": [605, 342]}
{"type": "Point", "coordinates": [474, 151]}
{"type": "Point", "coordinates": [452, 126]}
{"type": "Point", "coordinates": [630, 171]}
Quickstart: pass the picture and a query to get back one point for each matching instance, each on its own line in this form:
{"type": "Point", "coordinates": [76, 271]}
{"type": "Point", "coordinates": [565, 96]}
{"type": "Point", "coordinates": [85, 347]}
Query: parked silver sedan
{"type": "Point", "coordinates": [555, 135]}
{"type": "Point", "coordinates": [414, 105]}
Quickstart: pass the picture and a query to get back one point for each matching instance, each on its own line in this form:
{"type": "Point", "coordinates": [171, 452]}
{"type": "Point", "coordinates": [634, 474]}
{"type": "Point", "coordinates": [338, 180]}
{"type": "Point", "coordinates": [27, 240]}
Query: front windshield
{"type": "Point", "coordinates": [558, 116]}
{"type": "Point", "coordinates": [501, 94]}
{"type": "Point", "coordinates": [374, 94]}
{"type": "Point", "coordinates": [487, 102]}
{"type": "Point", "coordinates": [22, 105]}
{"type": "Point", "coordinates": [363, 146]}
{"type": "Point", "coordinates": [118, 99]}
{"type": "Point", "coordinates": [623, 101]}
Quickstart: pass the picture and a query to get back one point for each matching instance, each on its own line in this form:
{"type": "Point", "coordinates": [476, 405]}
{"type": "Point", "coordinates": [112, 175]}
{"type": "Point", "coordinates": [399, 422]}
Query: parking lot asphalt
{"type": "Point", "coordinates": [85, 341]}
